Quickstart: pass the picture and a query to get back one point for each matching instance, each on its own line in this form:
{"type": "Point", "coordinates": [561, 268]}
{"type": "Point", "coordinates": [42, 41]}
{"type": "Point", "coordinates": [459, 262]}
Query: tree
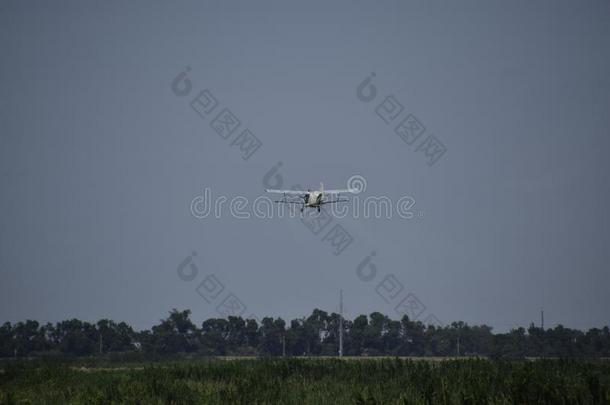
{"type": "Point", "coordinates": [413, 338]}
{"type": "Point", "coordinates": [316, 330]}
{"type": "Point", "coordinates": [317, 334]}
{"type": "Point", "coordinates": [214, 334]}
{"type": "Point", "coordinates": [7, 340]}
{"type": "Point", "coordinates": [272, 333]}
{"type": "Point", "coordinates": [296, 338]}
{"type": "Point", "coordinates": [175, 334]}
{"type": "Point", "coordinates": [115, 337]}
{"type": "Point", "coordinates": [76, 337]}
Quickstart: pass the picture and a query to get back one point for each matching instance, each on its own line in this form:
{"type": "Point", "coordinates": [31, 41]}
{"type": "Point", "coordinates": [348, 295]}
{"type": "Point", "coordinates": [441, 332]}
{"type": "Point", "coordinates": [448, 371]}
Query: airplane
{"type": "Point", "coordinates": [313, 199]}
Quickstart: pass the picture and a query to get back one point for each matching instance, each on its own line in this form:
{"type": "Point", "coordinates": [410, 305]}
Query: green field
{"type": "Point", "coordinates": [310, 381]}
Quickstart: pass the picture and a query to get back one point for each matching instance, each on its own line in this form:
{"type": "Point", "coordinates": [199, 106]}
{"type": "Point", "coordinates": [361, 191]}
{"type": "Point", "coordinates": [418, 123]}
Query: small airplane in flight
{"type": "Point", "coordinates": [313, 199]}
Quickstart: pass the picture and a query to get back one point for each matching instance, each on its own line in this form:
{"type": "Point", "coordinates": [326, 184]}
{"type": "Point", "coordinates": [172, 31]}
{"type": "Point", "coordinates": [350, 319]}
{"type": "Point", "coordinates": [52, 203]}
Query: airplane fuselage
{"type": "Point", "coordinates": [314, 198]}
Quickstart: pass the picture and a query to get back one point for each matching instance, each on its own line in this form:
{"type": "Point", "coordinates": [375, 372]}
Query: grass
{"type": "Point", "coordinates": [309, 381]}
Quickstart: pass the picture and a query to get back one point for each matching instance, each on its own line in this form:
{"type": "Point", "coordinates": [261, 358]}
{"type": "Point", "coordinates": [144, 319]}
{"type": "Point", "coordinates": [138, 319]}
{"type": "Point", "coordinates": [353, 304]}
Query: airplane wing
{"type": "Point", "coordinates": [290, 192]}
{"type": "Point", "coordinates": [335, 201]}
{"type": "Point", "coordinates": [348, 190]}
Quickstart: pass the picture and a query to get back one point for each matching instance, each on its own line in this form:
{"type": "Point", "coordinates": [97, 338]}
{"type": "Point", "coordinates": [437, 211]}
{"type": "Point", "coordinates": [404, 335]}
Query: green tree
{"type": "Point", "coordinates": [175, 334]}
{"type": "Point", "coordinates": [272, 333]}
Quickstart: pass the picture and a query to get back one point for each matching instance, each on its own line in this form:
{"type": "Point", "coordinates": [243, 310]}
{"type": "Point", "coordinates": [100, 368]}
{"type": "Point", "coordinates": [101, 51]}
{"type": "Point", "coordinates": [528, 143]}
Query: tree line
{"type": "Point", "coordinates": [314, 335]}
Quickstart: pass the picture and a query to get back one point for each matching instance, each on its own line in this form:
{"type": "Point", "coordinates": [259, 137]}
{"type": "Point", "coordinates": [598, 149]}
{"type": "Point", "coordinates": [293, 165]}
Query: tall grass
{"type": "Point", "coordinates": [312, 381]}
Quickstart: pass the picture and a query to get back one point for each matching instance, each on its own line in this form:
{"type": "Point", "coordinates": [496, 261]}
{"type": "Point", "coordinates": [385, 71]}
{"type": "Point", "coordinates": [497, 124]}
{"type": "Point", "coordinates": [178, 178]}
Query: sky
{"type": "Point", "coordinates": [111, 127]}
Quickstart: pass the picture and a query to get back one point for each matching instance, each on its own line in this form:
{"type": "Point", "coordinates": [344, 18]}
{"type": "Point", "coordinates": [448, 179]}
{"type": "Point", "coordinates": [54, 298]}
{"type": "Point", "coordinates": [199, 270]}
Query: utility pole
{"type": "Point", "coordinates": [340, 323]}
{"type": "Point", "coordinates": [100, 342]}
{"type": "Point", "coordinates": [542, 319]}
{"type": "Point", "coordinates": [284, 345]}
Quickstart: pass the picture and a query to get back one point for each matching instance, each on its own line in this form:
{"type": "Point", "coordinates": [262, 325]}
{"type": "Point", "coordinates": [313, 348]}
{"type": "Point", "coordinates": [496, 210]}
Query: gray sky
{"type": "Point", "coordinates": [100, 160]}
